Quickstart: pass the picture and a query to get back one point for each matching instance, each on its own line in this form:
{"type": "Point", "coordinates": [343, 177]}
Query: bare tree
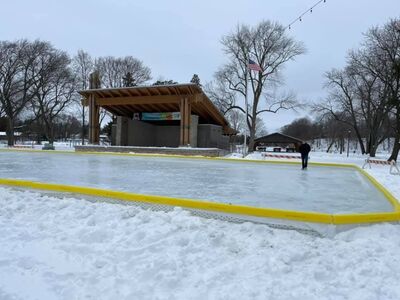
{"type": "Point", "coordinates": [342, 103]}
{"type": "Point", "coordinates": [17, 77]}
{"type": "Point", "coordinates": [221, 95]}
{"type": "Point", "coordinates": [381, 57]}
{"type": "Point", "coordinates": [260, 128]}
{"type": "Point", "coordinates": [302, 128]}
{"type": "Point", "coordinates": [363, 94]}
{"type": "Point", "coordinates": [65, 126]}
{"type": "Point", "coordinates": [113, 70]}
{"type": "Point", "coordinates": [269, 46]}
{"type": "Point", "coordinates": [54, 89]}
{"type": "Point", "coordinates": [237, 120]}
{"type": "Point", "coordinates": [82, 65]}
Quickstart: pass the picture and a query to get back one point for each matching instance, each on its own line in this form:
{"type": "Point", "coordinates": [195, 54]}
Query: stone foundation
{"type": "Point", "coordinates": [211, 152]}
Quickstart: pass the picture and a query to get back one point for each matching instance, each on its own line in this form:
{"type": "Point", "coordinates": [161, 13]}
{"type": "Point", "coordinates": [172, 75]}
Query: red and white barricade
{"type": "Point", "coordinates": [264, 155]}
{"type": "Point", "coordinates": [393, 165]}
{"type": "Point", "coordinates": [22, 146]}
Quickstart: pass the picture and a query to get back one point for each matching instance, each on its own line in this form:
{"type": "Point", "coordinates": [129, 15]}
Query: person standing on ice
{"type": "Point", "coordinates": [304, 149]}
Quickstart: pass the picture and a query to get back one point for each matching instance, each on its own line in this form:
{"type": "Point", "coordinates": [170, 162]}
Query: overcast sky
{"type": "Point", "coordinates": [177, 38]}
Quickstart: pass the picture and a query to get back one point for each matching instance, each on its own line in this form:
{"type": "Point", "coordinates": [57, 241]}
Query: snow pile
{"type": "Point", "coordinates": [55, 248]}
{"type": "Point", "coordinates": [234, 155]}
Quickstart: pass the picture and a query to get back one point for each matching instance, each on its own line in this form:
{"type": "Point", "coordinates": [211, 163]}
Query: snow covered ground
{"type": "Point", "coordinates": [64, 248]}
{"type": "Point", "coordinates": [59, 146]}
{"type": "Point", "coordinates": [73, 249]}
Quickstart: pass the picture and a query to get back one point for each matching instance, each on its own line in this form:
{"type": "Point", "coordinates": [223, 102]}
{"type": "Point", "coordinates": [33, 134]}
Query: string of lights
{"type": "Point", "coordinates": [310, 10]}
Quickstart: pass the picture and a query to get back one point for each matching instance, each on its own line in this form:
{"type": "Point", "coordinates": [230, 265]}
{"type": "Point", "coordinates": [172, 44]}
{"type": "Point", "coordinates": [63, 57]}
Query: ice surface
{"type": "Point", "coordinates": [320, 189]}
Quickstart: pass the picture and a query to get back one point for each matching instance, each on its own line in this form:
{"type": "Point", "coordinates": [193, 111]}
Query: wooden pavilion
{"type": "Point", "coordinates": [187, 99]}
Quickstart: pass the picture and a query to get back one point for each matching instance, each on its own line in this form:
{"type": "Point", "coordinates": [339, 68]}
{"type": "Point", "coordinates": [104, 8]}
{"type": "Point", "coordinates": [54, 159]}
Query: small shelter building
{"type": "Point", "coordinates": [278, 141]}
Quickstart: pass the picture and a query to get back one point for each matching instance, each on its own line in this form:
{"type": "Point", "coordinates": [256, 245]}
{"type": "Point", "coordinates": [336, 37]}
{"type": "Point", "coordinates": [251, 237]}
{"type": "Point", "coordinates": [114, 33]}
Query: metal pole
{"type": "Point", "coordinates": [246, 125]}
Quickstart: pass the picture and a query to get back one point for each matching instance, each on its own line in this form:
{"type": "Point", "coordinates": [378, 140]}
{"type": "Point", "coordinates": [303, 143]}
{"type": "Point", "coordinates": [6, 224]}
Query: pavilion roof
{"type": "Point", "coordinates": [278, 138]}
{"type": "Point", "coordinates": [126, 101]}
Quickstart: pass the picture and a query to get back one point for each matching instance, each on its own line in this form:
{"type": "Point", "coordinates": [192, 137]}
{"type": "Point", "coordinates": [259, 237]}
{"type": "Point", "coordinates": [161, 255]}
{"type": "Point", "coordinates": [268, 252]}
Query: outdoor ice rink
{"type": "Point", "coordinates": [319, 189]}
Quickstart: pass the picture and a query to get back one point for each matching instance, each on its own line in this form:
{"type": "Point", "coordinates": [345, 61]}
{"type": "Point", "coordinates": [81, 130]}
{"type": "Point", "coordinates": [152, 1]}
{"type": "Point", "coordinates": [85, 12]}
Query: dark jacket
{"type": "Point", "coordinates": [304, 149]}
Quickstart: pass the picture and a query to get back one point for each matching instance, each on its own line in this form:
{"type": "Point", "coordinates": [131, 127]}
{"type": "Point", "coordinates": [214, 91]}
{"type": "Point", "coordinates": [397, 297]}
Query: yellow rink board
{"type": "Point", "coordinates": [337, 219]}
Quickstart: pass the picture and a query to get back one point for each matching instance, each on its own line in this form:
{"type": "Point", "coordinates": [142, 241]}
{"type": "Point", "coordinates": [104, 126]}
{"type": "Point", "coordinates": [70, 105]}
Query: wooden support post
{"type": "Point", "coordinates": [181, 106]}
{"type": "Point", "coordinates": [185, 109]}
{"type": "Point", "coordinates": [94, 121]}
{"type": "Point", "coordinates": [94, 111]}
{"type": "Point", "coordinates": [187, 123]}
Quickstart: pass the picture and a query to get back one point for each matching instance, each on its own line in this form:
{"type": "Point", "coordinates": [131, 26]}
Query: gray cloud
{"type": "Point", "coordinates": [177, 38]}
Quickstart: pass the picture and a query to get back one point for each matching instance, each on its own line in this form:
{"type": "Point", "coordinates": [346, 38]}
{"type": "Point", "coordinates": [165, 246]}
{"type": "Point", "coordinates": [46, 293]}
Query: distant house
{"type": "Point", "coordinates": [3, 135]}
{"type": "Point", "coordinates": [277, 141]}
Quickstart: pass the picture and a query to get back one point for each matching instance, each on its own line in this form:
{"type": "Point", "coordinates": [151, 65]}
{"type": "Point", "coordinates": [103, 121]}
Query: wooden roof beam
{"type": "Point", "coordinates": [137, 100]}
{"type": "Point", "coordinates": [114, 111]}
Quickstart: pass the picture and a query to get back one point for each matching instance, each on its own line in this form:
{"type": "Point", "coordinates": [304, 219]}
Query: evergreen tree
{"type": "Point", "coordinates": [164, 82]}
{"type": "Point", "coordinates": [196, 79]}
{"type": "Point", "coordinates": [128, 80]}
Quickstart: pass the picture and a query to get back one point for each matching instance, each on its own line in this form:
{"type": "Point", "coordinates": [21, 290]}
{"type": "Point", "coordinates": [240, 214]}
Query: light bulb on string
{"type": "Point", "coordinates": [309, 10]}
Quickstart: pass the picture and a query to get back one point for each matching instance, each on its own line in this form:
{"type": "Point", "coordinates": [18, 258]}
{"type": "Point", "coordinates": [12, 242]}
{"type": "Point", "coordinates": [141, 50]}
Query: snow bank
{"type": "Point", "coordinates": [55, 248]}
{"type": "Point", "coordinates": [234, 155]}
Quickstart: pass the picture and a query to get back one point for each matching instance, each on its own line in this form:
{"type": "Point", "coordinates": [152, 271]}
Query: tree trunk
{"type": "Point", "coordinates": [341, 145]}
{"type": "Point", "coordinates": [360, 142]}
{"type": "Point", "coordinates": [51, 135]}
{"type": "Point", "coordinates": [252, 137]}
{"type": "Point", "coordinates": [396, 145]}
{"type": "Point", "coordinates": [10, 132]}
{"type": "Point", "coordinates": [83, 125]}
{"type": "Point", "coordinates": [396, 148]}
{"type": "Point", "coordinates": [372, 151]}
{"type": "Point", "coordinates": [330, 146]}
{"type": "Point", "coordinates": [49, 132]}
{"type": "Point", "coordinates": [372, 145]}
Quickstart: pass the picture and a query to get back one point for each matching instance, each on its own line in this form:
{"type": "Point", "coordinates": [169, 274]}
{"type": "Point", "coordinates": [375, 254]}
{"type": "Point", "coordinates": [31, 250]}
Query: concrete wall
{"type": "Point", "coordinates": [141, 134]}
{"type": "Point", "coordinates": [210, 136]}
{"type": "Point", "coordinates": [169, 151]}
{"type": "Point", "coordinates": [121, 138]}
{"type": "Point", "coordinates": [113, 134]}
{"type": "Point", "coordinates": [137, 133]}
{"type": "Point", "coordinates": [194, 121]}
{"type": "Point", "coordinates": [167, 136]}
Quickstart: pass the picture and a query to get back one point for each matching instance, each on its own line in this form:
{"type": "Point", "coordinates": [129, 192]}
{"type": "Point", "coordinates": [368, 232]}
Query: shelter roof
{"type": "Point", "coordinates": [277, 138]}
{"type": "Point", "coordinates": [126, 101]}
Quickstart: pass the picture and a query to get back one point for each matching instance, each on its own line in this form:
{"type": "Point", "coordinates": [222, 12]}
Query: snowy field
{"type": "Point", "coordinates": [73, 249]}
{"type": "Point", "coordinates": [318, 189]}
{"type": "Point", "coordinates": [64, 248]}
{"type": "Point", "coordinates": [60, 146]}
